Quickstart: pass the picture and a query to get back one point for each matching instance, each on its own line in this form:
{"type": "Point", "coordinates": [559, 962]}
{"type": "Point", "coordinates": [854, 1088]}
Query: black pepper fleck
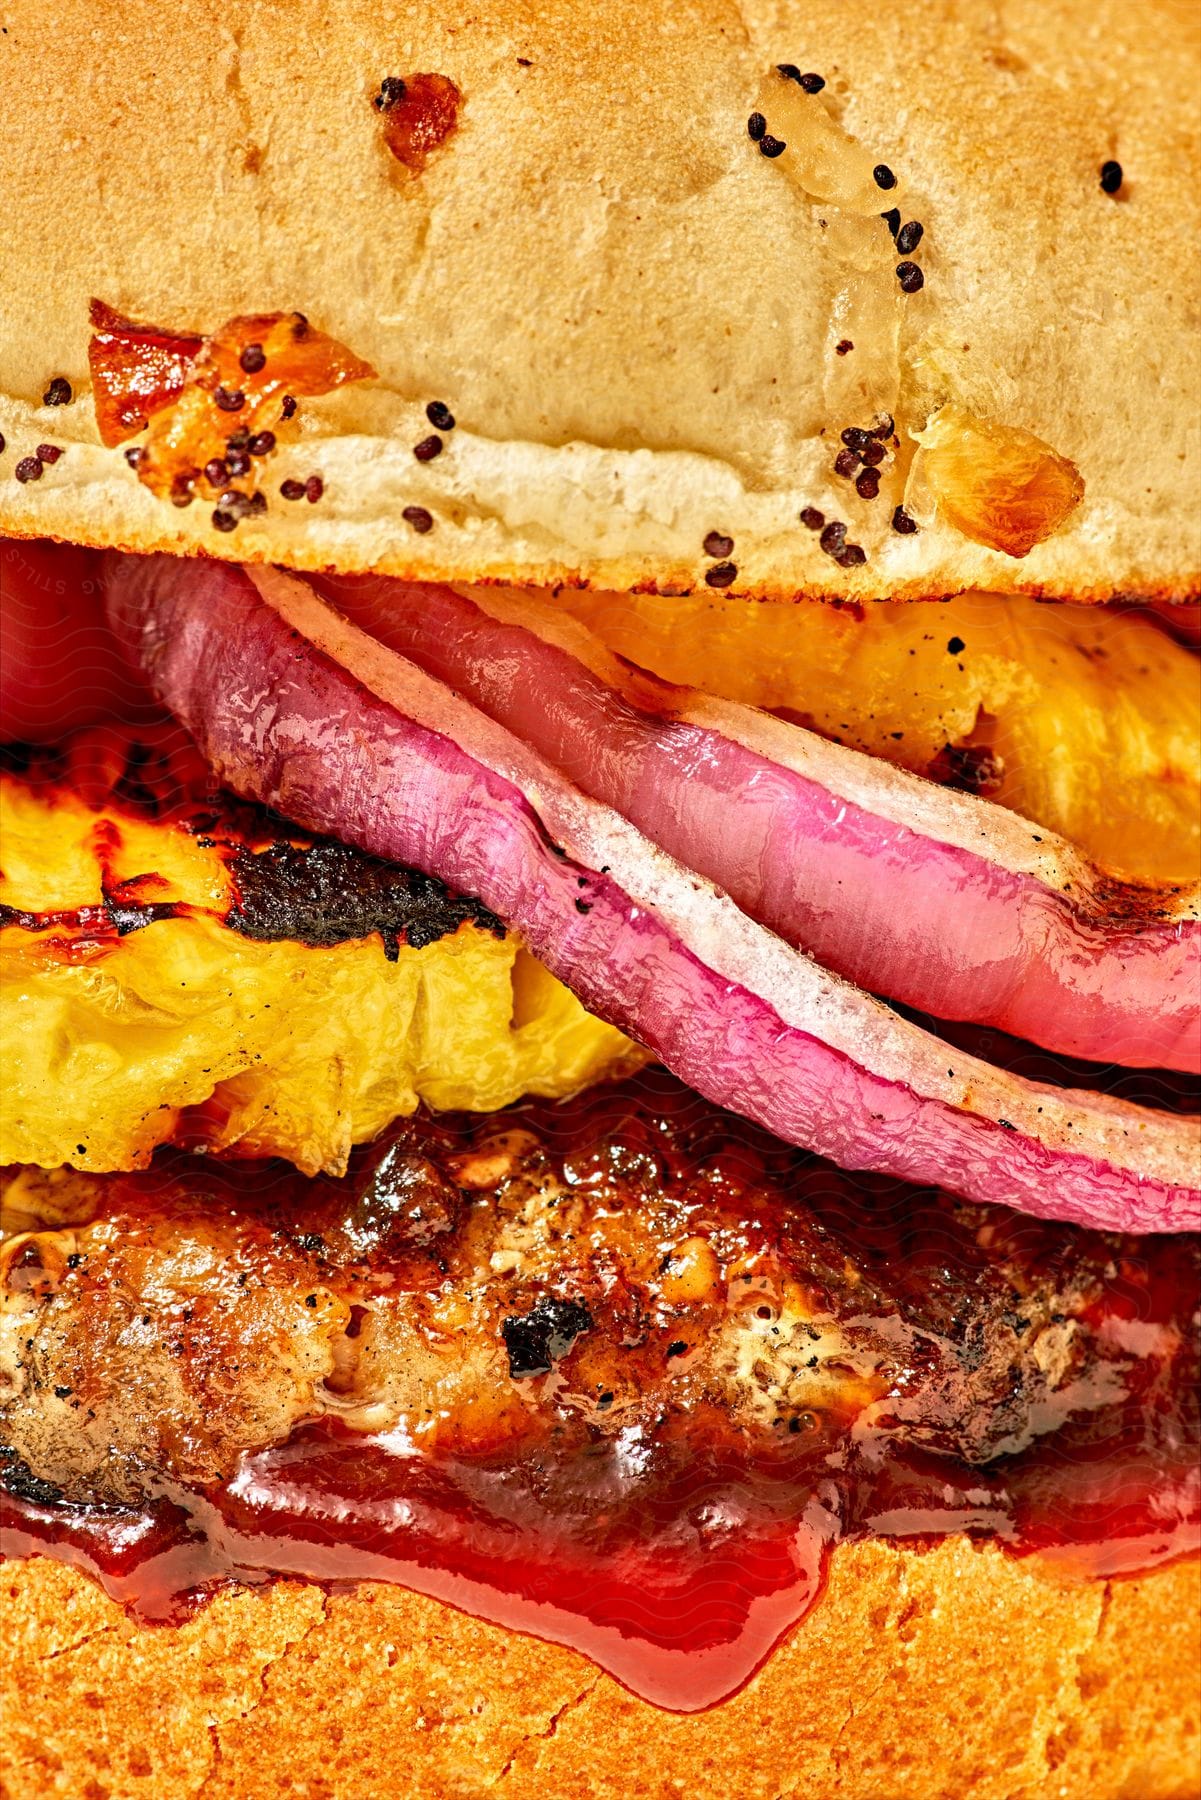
{"type": "Point", "coordinates": [418, 518]}
{"type": "Point", "coordinates": [909, 237]}
{"type": "Point", "coordinates": [721, 575]}
{"type": "Point", "coordinates": [910, 277]}
{"type": "Point", "coordinates": [536, 1340]}
{"type": "Point", "coordinates": [427, 449]}
{"type": "Point", "coordinates": [59, 392]}
{"type": "Point", "coordinates": [1111, 177]}
{"type": "Point", "coordinates": [955, 646]}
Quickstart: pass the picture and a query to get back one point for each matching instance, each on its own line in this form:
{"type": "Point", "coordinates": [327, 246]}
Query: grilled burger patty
{"type": "Point", "coordinates": [551, 1282]}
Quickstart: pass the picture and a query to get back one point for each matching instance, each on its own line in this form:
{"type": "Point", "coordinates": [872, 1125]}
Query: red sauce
{"type": "Point", "coordinates": [677, 1554]}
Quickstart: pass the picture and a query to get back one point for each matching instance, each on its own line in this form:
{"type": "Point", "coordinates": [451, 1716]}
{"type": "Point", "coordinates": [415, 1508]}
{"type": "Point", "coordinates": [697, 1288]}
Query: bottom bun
{"type": "Point", "coordinates": [948, 1674]}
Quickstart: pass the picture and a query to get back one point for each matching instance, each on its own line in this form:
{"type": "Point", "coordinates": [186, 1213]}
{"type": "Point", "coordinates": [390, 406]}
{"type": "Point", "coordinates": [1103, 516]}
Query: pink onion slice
{"type": "Point", "coordinates": [936, 899]}
{"type": "Point", "coordinates": [296, 707]}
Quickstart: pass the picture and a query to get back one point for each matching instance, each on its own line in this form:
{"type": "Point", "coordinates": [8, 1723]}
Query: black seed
{"type": "Point", "coordinates": [262, 443]}
{"type": "Point", "coordinates": [392, 91]}
{"type": "Point", "coordinates": [427, 449]}
{"type": "Point", "coordinates": [883, 176]}
{"type": "Point", "coordinates": [955, 646]}
{"type": "Point", "coordinates": [851, 557]}
{"type": "Point", "coordinates": [909, 237]}
{"type": "Point", "coordinates": [1111, 177]}
{"type": "Point", "coordinates": [846, 462]}
{"type": "Point", "coordinates": [59, 391]}
{"type": "Point", "coordinates": [28, 469]}
{"type": "Point", "coordinates": [812, 518]}
{"type": "Point", "coordinates": [314, 487]}
{"type": "Point", "coordinates": [604, 1401]}
{"type": "Point", "coordinates": [721, 575]}
{"type": "Point", "coordinates": [230, 399]}
{"type": "Point", "coordinates": [856, 439]}
{"type": "Point", "coordinates": [238, 440]}
{"type": "Point", "coordinates": [813, 84]}
{"type": "Point", "coordinates": [287, 406]}
{"type": "Point", "coordinates": [216, 473]}
{"type": "Point", "coordinates": [292, 490]}
{"type": "Point", "coordinates": [238, 462]}
{"type": "Point", "coordinates": [181, 490]}
{"type": "Point", "coordinates": [789, 71]}
{"type": "Point", "coordinates": [833, 537]}
{"type": "Point", "coordinates": [772, 147]}
{"type": "Point", "coordinates": [134, 456]}
{"type": "Point", "coordinates": [842, 346]}
{"type": "Point", "coordinates": [677, 1348]}
{"type": "Point", "coordinates": [258, 503]}
{"type": "Point", "coordinates": [224, 521]}
{"type": "Point", "coordinates": [874, 455]}
{"type": "Point", "coordinates": [418, 518]}
{"type": "Point", "coordinates": [756, 127]}
{"type": "Point", "coordinates": [3, 444]}
{"type": "Point", "coordinates": [910, 277]}
{"type": "Point", "coordinates": [440, 416]}
{"type": "Point", "coordinates": [885, 428]}
{"type": "Point", "coordinates": [868, 485]}
{"type": "Point", "coordinates": [892, 218]}
{"type": "Point", "coordinates": [48, 453]}
{"type": "Point", "coordinates": [717, 544]}
{"type": "Point", "coordinates": [253, 358]}
{"type": "Point", "coordinates": [235, 502]}
{"type": "Point", "coordinates": [903, 523]}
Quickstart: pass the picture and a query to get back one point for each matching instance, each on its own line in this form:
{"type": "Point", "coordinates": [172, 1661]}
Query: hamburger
{"type": "Point", "coordinates": [600, 901]}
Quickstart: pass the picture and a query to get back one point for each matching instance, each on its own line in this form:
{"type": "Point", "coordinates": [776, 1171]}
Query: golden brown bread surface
{"type": "Point", "coordinates": [635, 317]}
{"type": "Point", "coordinates": [951, 1674]}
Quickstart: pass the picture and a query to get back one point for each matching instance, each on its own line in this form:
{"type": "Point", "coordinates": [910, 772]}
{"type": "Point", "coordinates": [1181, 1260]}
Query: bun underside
{"type": "Point", "coordinates": [954, 1672]}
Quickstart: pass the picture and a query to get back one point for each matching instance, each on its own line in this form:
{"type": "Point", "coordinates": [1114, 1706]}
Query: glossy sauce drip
{"type": "Point", "coordinates": [677, 1550]}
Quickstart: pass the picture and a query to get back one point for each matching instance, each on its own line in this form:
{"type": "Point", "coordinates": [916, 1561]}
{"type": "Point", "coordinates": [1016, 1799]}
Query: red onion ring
{"type": "Point", "coordinates": [947, 903]}
{"type": "Point", "coordinates": [296, 707]}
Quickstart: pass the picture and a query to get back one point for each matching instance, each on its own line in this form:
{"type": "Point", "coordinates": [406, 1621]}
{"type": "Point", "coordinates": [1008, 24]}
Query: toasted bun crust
{"type": "Point", "coordinates": [632, 313]}
{"type": "Point", "coordinates": [952, 1672]}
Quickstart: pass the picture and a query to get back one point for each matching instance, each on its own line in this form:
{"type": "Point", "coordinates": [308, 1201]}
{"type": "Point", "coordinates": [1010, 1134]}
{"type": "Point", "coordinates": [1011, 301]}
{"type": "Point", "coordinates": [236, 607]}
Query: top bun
{"type": "Point", "coordinates": [648, 330]}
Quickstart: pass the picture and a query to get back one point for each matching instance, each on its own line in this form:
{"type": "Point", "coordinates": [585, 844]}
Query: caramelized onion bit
{"type": "Point", "coordinates": [418, 114]}
{"type": "Point", "coordinates": [196, 393]}
{"type": "Point", "coordinates": [997, 484]}
{"type": "Point", "coordinates": [137, 370]}
{"type": "Point", "coordinates": [825, 161]}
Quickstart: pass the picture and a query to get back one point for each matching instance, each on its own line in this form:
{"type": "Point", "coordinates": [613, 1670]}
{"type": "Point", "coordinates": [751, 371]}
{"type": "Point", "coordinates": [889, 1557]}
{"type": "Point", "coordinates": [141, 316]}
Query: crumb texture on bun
{"type": "Point", "coordinates": [950, 1672]}
{"type": "Point", "coordinates": [659, 288]}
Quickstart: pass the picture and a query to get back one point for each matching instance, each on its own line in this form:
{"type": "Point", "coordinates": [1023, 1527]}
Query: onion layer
{"type": "Point", "coordinates": [936, 899]}
{"type": "Point", "coordinates": [296, 707]}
